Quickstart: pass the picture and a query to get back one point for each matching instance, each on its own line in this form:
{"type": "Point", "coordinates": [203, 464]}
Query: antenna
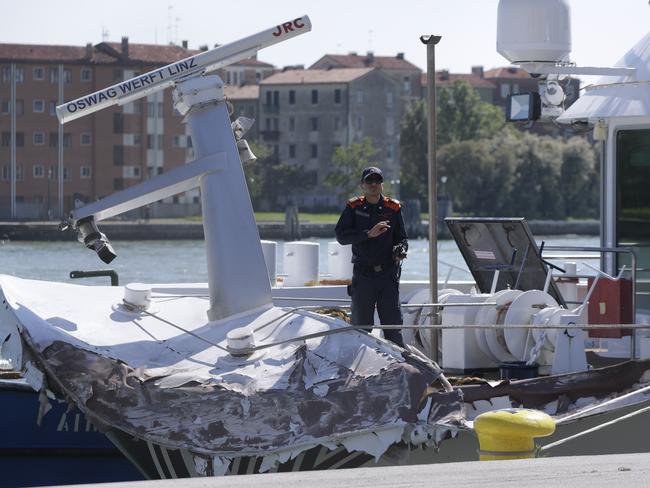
{"type": "Point", "coordinates": [197, 65]}
{"type": "Point", "coordinates": [104, 33]}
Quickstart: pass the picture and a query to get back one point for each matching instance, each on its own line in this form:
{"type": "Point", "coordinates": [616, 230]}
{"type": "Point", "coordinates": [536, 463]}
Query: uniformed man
{"type": "Point", "coordinates": [373, 224]}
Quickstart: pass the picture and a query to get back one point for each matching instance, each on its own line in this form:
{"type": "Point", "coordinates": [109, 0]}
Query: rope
{"type": "Point", "coordinates": [593, 429]}
{"type": "Point", "coordinates": [600, 405]}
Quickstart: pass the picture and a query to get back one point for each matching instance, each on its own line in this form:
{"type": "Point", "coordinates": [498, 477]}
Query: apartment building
{"type": "Point", "coordinates": [306, 114]}
{"type": "Point", "coordinates": [45, 168]}
{"type": "Point", "coordinates": [405, 73]}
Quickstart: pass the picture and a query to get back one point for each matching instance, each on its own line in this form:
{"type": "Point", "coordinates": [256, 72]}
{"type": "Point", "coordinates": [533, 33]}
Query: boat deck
{"type": "Point", "coordinates": [629, 470]}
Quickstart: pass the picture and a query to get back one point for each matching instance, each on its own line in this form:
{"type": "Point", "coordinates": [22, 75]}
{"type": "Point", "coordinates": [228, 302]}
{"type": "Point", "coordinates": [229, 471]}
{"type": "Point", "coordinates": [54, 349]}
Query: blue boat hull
{"type": "Point", "coordinates": [64, 449]}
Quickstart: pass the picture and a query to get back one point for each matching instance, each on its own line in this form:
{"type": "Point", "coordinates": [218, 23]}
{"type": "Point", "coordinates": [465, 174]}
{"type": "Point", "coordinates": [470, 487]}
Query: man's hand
{"type": "Point", "coordinates": [379, 229]}
{"type": "Point", "coordinates": [399, 252]}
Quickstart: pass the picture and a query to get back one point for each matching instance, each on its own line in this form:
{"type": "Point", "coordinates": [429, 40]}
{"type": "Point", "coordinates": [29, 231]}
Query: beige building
{"type": "Point", "coordinates": [306, 114]}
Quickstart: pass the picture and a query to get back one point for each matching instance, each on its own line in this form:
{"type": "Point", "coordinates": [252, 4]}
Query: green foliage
{"type": "Point", "coordinates": [413, 153]}
{"type": "Point", "coordinates": [462, 115]}
{"type": "Point", "coordinates": [522, 176]}
{"type": "Point", "coordinates": [347, 164]}
{"type": "Point", "coordinates": [270, 181]}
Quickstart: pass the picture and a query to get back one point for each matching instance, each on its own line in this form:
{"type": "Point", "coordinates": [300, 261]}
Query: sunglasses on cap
{"type": "Point", "coordinates": [373, 179]}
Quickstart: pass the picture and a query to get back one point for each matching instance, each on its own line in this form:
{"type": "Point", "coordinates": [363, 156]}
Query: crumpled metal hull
{"type": "Point", "coordinates": [161, 395]}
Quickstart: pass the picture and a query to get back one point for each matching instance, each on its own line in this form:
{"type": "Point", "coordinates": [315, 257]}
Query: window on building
{"type": "Point", "coordinates": [66, 174]}
{"type": "Point", "coordinates": [19, 173]}
{"type": "Point", "coordinates": [314, 150]}
{"type": "Point", "coordinates": [54, 75]}
{"type": "Point", "coordinates": [276, 124]}
{"type": "Point", "coordinates": [20, 139]}
{"type": "Point", "coordinates": [137, 107]}
{"type": "Point", "coordinates": [54, 139]}
{"type": "Point", "coordinates": [292, 97]}
{"type": "Point", "coordinates": [86, 75]}
{"type": "Point", "coordinates": [38, 138]}
{"type": "Point", "coordinates": [269, 98]}
{"type": "Point", "coordinates": [118, 123]}
{"type": "Point", "coordinates": [118, 155]}
{"type": "Point", "coordinates": [314, 97]}
{"type": "Point", "coordinates": [67, 140]}
{"type": "Point", "coordinates": [267, 123]}
{"type": "Point", "coordinates": [390, 126]}
{"type": "Point", "coordinates": [406, 84]}
{"type": "Point", "coordinates": [137, 139]}
{"type": "Point", "coordinates": [86, 139]}
{"type": "Point", "coordinates": [276, 98]}
{"type": "Point", "coordinates": [515, 88]}
{"type": "Point", "coordinates": [6, 74]}
{"type": "Point", "coordinates": [4, 107]}
{"type": "Point", "coordinates": [85, 172]}
{"type": "Point", "coordinates": [5, 173]}
{"type": "Point", "coordinates": [292, 151]}
{"type": "Point", "coordinates": [314, 123]}
{"type": "Point", "coordinates": [389, 151]}
{"type": "Point", "coordinates": [20, 75]}
{"type": "Point", "coordinates": [67, 76]}
{"type": "Point", "coordinates": [38, 171]}
{"type": "Point", "coordinates": [38, 106]}
{"type": "Point", "coordinates": [505, 90]}
{"type": "Point", "coordinates": [337, 123]}
{"type": "Point", "coordinates": [359, 123]}
{"type": "Point", "coordinates": [118, 184]}
{"type": "Point", "coordinates": [20, 107]}
{"type": "Point", "coordinates": [337, 95]}
{"type": "Point", "coordinates": [52, 107]}
{"type": "Point", "coordinates": [292, 124]}
{"type": "Point", "coordinates": [389, 99]}
{"type": "Point", "coordinates": [258, 76]}
{"type": "Point", "coordinates": [38, 73]}
{"type": "Point", "coordinates": [161, 109]}
{"type": "Point", "coordinates": [359, 96]}
{"type": "Point", "coordinates": [6, 139]}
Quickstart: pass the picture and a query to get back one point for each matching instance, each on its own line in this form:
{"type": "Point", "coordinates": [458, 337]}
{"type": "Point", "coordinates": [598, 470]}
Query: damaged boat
{"type": "Point", "coordinates": [205, 380]}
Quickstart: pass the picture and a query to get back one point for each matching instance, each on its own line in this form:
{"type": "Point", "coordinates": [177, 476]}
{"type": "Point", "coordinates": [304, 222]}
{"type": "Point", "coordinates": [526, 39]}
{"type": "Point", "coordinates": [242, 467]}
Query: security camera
{"type": "Point", "coordinates": [92, 238]}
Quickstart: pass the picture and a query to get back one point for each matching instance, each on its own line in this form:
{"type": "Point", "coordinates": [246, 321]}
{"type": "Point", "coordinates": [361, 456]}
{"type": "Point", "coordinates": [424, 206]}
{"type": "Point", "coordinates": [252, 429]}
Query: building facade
{"type": "Point", "coordinates": [46, 169]}
{"type": "Point", "coordinates": [306, 114]}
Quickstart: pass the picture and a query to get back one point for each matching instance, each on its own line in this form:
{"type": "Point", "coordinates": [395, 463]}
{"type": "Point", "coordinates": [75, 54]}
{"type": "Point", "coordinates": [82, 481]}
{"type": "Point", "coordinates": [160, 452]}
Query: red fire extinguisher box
{"type": "Point", "coordinates": [611, 303]}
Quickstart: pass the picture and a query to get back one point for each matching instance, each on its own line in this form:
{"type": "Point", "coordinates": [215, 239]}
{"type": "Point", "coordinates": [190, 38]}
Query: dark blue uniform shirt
{"type": "Point", "coordinates": [359, 217]}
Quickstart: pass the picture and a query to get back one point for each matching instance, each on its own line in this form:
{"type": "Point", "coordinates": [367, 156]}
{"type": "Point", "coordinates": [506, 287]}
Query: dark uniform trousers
{"type": "Point", "coordinates": [377, 286]}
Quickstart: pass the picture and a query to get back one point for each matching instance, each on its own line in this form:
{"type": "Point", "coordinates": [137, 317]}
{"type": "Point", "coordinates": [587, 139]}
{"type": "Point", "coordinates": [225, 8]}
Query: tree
{"type": "Point", "coordinates": [413, 153]}
{"type": "Point", "coordinates": [579, 180]}
{"type": "Point", "coordinates": [270, 182]}
{"type": "Point", "coordinates": [347, 164]}
{"type": "Point", "coordinates": [462, 115]}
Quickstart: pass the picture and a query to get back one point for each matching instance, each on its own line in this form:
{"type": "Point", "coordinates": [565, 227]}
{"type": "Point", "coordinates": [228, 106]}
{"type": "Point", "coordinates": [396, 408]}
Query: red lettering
{"type": "Point", "coordinates": [298, 23]}
{"type": "Point", "coordinates": [287, 27]}
{"type": "Point", "coordinates": [278, 32]}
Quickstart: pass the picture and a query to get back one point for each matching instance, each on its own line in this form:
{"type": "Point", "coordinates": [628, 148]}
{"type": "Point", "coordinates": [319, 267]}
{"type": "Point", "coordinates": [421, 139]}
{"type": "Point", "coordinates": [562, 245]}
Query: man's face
{"type": "Point", "coordinates": [372, 186]}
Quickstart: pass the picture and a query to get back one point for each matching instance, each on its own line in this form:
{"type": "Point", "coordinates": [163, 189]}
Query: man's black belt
{"type": "Point", "coordinates": [374, 269]}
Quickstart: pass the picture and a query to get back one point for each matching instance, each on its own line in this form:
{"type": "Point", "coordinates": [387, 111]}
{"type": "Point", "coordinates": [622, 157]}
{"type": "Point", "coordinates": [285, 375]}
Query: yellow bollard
{"type": "Point", "coordinates": [509, 433]}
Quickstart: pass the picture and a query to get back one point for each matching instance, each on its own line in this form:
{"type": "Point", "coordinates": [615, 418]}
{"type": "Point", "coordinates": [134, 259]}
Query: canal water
{"type": "Point", "coordinates": [185, 262]}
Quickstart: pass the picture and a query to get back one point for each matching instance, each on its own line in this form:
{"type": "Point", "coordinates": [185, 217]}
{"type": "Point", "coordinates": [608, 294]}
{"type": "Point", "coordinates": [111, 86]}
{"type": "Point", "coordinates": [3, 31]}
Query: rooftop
{"type": "Point", "coordinates": [105, 53]}
{"type": "Point", "coordinates": [444, 78]}
{"type": "Point", "coordinates": [506, 72]}
{"type": "Point", "coordinates": [369, 60]}
{"type": "Point", "coordinates": [315, 76]}
{"type": "Point", "coordinates": [245, 92]}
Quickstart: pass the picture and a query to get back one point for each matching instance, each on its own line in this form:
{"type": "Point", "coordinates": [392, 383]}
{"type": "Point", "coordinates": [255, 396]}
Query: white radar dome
{"type": "Point", "coordinates": [534, 30]}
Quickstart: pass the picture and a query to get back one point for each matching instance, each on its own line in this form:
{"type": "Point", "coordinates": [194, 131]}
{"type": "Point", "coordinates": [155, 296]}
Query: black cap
{"type": "Point", "coordinates": [371, 170]}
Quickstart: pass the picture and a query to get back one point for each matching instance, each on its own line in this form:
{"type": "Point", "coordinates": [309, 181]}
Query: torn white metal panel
{"type": "Point", "coordinates": [138, 373]}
